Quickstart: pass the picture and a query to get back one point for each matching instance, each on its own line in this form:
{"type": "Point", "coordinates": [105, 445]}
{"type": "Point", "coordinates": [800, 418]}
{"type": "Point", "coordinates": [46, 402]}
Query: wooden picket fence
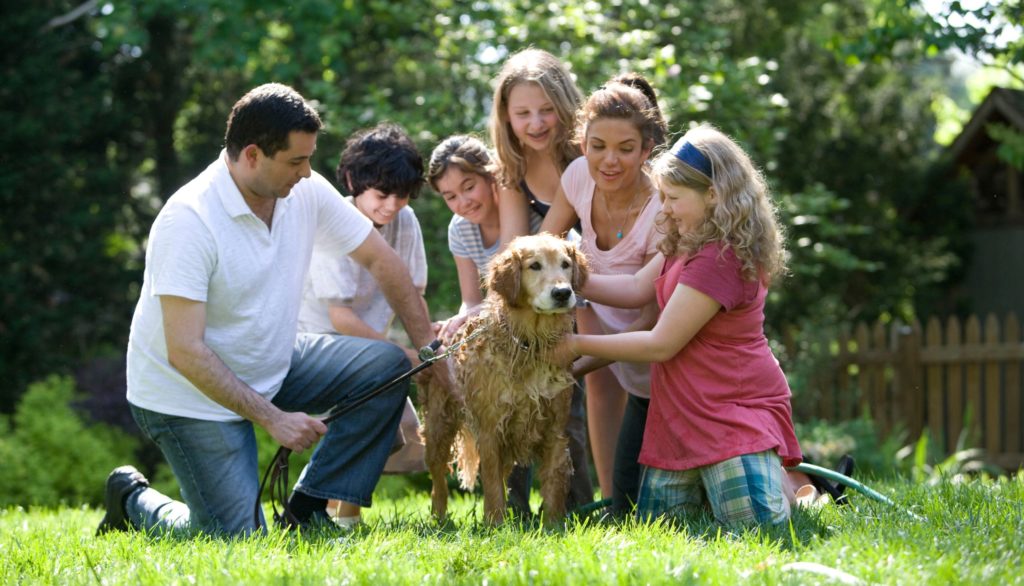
{"type": "Point", "coordinates": [945, 378]}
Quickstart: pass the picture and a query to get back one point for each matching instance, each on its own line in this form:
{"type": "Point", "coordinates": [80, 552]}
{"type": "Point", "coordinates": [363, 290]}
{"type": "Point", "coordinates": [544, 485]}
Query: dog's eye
{"type": "Point", "coordinates": [535, 266]}
{"type": "Point", "coordinates": [565, 264]}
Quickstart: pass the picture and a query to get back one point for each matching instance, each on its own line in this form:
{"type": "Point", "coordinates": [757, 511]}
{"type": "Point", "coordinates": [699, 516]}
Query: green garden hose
{"type": "Point", "coordinates": [847, 481]}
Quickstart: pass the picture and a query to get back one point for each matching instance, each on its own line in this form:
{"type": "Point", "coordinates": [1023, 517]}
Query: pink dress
{"type": "Point", "coordinates": [627, 257]}
{"type": "Point", "coordinates": [723, 395]}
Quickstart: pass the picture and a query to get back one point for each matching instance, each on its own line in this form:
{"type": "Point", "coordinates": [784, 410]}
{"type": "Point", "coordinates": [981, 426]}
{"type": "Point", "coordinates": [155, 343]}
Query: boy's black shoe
{"type": "Point", "coordinates": [122, 481]}
{"type": "Point", "coordinates": [317, 523]}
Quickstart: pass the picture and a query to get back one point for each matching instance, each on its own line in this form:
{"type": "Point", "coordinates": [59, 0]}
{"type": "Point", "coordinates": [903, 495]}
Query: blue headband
{"type": "Point", "coordinates": [691, 155]}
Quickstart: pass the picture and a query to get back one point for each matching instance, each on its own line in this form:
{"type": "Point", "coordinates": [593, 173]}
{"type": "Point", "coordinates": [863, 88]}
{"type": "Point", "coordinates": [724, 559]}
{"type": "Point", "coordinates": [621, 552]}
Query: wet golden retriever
{"type": "Point", "coordinates": [517, 403]}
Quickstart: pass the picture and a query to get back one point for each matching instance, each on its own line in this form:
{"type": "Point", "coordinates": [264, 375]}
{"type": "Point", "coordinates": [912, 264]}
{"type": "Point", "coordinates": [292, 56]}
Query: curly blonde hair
{"type": "Point", "coordinates": [547, 71]}
{"type": "Point", "coordinates": [743, 216]}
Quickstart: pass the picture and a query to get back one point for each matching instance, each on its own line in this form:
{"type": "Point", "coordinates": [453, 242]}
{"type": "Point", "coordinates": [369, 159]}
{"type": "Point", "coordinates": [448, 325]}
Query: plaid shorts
{"type": "Point", "coordinates": [744, 490]}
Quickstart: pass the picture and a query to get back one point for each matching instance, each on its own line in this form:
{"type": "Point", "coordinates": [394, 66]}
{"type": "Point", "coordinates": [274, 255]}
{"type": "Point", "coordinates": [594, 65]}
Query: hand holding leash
{"type": "Point", "coordinates": [296, 431]}
{"type": "Point", "coordinates": [276, 475]}
{"type": "Point", "coordinates": [429, 352]}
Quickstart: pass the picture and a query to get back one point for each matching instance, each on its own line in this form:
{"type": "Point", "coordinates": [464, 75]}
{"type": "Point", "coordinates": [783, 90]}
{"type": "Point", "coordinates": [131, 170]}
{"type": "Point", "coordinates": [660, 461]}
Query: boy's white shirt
{"type": "Point", "coordinates": [335, 278]}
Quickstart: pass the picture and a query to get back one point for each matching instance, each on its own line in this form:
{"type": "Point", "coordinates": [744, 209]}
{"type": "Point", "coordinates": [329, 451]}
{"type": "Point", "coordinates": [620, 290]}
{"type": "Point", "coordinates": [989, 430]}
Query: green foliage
{"type": "Point", "coordinates": [66, 267]}
{"type": "Point", "coordinates": [826, 442]}
{"type": "Point", "coordinates": [50, 455]}
{"type": "Point", "coordinates": [987, 30]}
{"type": "Point", "coordinates": [833, 100]}
{"type": "Point", "coordinates": [925, 462]}
{"type": "Point", "coordinates": [1011, 147]}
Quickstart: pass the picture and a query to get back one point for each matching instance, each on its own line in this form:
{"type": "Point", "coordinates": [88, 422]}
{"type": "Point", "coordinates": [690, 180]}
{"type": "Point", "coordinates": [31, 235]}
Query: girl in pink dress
{"type": "Point", "coordinates": [719, 428]}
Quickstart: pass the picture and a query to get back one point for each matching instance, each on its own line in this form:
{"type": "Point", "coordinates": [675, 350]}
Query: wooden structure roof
{"type": "Point", "coordinates": [995, 185]}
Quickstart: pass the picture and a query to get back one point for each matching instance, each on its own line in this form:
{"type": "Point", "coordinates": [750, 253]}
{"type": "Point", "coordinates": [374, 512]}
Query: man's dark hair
{"type": "Point", "coordinates": [265, 117]}
{"type": "Point", "coordinates": [382, 158]}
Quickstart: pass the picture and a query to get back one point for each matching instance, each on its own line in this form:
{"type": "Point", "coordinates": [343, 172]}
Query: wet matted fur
{"type": "Point", "coordinates": [517, 403]}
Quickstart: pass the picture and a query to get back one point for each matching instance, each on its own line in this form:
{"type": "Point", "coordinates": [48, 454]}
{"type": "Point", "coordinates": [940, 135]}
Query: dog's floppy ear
{"type": "Point", "coordinates": [580, 268]}
{"type": "Point", "coordinates": [503, 276]}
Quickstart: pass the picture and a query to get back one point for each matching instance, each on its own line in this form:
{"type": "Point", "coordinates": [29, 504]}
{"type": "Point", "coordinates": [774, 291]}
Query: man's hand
{"type": "Point", "coordinates": [184, 331]}
{"type": "Point", "coordinates": [295, 431]}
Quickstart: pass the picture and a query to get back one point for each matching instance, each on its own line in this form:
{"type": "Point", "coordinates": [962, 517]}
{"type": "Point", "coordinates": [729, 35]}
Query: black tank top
{"type": "Point", "coordinates": [541, 207]}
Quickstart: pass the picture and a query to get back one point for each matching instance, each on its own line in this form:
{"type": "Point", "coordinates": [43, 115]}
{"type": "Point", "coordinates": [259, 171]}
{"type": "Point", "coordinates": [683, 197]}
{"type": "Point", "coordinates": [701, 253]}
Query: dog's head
{"type": "Point", "coordinates": [540, 272]}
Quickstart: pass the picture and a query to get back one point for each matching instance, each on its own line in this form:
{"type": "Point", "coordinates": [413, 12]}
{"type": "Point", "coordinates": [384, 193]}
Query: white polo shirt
{"type": "Point", "coordinates": [207, 245]}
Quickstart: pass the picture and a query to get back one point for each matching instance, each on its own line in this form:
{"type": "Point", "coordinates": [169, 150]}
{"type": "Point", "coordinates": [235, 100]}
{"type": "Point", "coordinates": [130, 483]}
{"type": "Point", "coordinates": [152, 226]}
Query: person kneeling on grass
{"type": "Point", "coordinates": [214, 348]}
{"type": "Point", "coordinates": [719, 428]}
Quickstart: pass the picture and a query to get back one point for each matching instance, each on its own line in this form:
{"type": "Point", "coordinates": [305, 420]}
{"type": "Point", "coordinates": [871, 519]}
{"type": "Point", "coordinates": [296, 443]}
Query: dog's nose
{"type": "Point", "coordinates": [561, 294]}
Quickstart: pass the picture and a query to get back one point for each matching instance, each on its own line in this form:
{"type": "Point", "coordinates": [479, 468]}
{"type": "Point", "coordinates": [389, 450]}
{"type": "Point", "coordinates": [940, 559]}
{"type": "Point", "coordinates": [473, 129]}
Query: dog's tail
{"type": "Point", "coordinates": [467, 457]}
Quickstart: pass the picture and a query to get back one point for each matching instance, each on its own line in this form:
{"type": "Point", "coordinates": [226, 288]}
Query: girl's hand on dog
{"type": "Point", "coordinates": [564, 352]}
{"type": "Point", "coordinates": [449, 327]}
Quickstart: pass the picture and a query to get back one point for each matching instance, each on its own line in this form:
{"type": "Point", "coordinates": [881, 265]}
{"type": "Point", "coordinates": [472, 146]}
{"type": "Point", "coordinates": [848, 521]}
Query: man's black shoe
{"type": "Point", "coordinates": [123, 481]}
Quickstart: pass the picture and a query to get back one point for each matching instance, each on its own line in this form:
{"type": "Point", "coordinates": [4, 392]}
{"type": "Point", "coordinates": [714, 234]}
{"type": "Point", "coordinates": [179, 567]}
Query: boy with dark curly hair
{"type": "Point", "coordinates": [381, 171]}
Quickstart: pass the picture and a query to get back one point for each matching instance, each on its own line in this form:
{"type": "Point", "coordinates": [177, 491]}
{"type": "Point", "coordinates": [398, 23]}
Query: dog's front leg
{"type": "Point", "coordinates": [491, 466]}
{"type": "Point", "coordinates": [556, 466]}
{"type": "Point", "coordinates": [440, 435]}
{"type": "Point", "coordinates": [442, 422]}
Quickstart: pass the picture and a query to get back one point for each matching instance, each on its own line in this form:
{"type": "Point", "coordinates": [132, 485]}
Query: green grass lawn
{"type": "Point", "coordinates": [968, 532]}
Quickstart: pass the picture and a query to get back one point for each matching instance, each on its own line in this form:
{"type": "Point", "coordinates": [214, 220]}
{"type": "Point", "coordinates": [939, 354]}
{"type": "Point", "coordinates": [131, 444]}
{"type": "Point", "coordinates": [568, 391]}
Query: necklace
{"type": "Point", "coordinates": [625, 219]}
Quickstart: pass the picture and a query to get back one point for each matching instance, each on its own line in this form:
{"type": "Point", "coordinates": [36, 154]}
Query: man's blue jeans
{"type": "Point", "coordinates": [215, 462]}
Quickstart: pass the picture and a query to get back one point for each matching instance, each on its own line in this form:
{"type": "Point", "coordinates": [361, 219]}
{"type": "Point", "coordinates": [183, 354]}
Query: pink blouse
{"type": "Point", "coordinates": [626, 257]}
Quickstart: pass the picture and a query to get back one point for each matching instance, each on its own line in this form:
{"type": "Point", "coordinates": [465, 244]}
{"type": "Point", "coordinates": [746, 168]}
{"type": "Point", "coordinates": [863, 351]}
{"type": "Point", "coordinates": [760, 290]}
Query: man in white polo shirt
{"type": "Point", "coordinates": [213, 345]}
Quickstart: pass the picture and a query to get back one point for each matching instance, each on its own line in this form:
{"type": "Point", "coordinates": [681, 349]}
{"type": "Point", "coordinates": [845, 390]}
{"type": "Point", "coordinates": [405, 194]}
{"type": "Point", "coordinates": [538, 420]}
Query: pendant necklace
{"type": "Point", "coordinates": [625, 220]}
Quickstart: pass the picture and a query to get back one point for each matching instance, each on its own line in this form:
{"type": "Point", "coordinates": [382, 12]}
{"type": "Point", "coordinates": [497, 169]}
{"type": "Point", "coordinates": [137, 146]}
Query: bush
{"type": "Point", "coordinates": [51, 455]}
